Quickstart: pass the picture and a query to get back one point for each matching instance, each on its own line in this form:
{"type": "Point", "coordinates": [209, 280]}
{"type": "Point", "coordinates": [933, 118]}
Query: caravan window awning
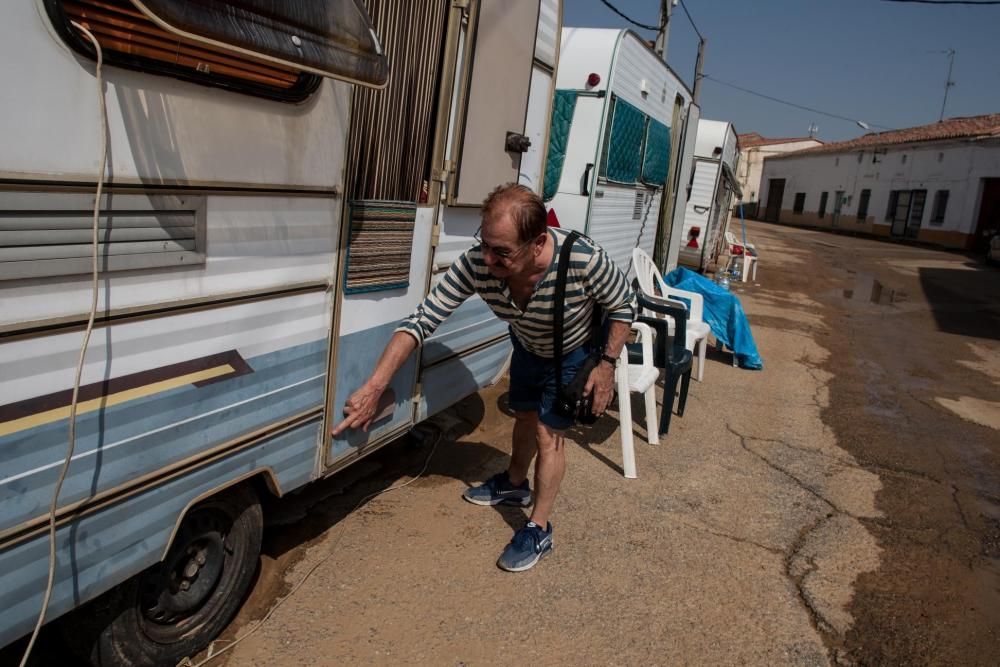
{"type": "Point", "coordinates": [331, 38]}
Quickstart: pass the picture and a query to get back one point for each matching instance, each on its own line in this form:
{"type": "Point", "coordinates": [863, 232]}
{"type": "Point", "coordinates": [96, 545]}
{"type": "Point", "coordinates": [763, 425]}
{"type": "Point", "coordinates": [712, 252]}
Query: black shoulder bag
{"type": "Point", "coordinates": [570, 401]}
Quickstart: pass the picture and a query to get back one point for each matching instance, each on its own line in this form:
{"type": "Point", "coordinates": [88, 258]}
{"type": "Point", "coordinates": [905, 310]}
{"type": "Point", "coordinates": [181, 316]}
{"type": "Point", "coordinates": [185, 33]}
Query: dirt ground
{"type": "Point", "coordinates": [842, 506]}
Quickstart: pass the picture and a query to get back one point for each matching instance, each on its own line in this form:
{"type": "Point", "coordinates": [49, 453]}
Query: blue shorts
{"type": "Point", "coordinates": [533, 382]}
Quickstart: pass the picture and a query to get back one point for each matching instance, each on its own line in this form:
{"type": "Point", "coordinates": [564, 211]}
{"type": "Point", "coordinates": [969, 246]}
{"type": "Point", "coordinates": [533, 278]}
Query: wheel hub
{"type": "Point", "coordinates": [179, 587]}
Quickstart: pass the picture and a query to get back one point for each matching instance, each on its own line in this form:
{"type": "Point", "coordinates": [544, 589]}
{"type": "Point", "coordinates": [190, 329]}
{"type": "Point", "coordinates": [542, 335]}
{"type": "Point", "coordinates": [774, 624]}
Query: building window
{"type": "Point", "coordinates": [890, 210]}
{"type": "Point", "coordinates": [940, 206]}
{"type": "Point", "coordinates": [280, 53]}
{"type": "Point", "coordinates": [866, 196]}
{"type": "Point", "coordinates": [903, 161]}
{"type": "Point", "coordinates": [836, 162]}
{"type": "Point", "coordinates": [800, 202]}
{"type": "Point", "coordinates": [861, 156]}
{"type": "Point", "coordinates": [822, 204]}
{"type": "Point", "coordinates": [940, 157]}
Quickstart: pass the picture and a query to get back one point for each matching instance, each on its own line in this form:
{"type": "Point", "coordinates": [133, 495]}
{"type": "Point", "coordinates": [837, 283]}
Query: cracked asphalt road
{"type": "Point", "coordinates": [839, 507]}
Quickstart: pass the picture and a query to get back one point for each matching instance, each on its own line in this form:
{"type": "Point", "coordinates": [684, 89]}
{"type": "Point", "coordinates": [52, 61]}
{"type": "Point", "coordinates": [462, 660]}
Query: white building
{"type": "Point", "coordinates": [938, 183]}
{"type": "Point", "coordinates": [753, 149]}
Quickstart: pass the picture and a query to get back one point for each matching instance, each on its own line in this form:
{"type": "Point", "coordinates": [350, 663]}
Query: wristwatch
{"type": "Point", "coordinates": [608, 358]}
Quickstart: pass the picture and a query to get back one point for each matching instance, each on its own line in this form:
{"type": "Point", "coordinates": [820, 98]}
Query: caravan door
{"type": "Point", "coordinates": [500, 47]}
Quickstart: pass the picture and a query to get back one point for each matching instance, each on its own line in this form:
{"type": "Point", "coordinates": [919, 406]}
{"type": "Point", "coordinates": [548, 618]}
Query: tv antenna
{"type": "Point", "coordinates": [948, 82]}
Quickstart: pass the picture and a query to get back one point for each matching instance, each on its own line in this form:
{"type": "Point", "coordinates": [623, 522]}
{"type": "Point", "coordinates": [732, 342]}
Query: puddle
{"type": "Point", "coordinates": [868, 289]}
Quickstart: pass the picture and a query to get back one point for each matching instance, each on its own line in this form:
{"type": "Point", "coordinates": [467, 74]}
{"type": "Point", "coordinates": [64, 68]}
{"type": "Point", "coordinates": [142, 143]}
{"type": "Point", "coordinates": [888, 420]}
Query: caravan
{"type": "Point", "coordinates": [623, 129]}
{"type": "Point", "coordinates": [713, 185]}
{"type": "Point", "coordinates": [281, 188]}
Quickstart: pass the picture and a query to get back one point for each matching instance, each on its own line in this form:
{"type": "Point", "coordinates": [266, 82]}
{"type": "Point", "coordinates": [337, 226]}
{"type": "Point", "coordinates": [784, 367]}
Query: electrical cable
{"type": "Point", "coordinates": [684, 7]}
{"type": "Point", "coordinates": [633, 22]}
{"type": "Point", "coordinates": [83, 347]}
{"type": "Point", "coordinates": [791, 104]}
{"type": "Point", "coordinates": [212, 654]}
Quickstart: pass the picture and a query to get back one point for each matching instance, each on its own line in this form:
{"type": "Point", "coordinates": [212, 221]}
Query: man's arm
{"type": "Point", "coordinates": [606, 283]}
{"type": "Point", "coordinates": [360, 408]}
{"type": "Point", "coordinates": [602, 378]}
{"type": "Point", "coordinates": [452, 290]}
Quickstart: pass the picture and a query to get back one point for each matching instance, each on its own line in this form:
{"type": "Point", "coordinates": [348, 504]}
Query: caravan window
{"type": "Point", "coordinates": [623, 135]}
{"type": "Point", "coordinates": [274, 50]}
{"type": "Point", "coordinates": [656, 154]}
{"type": "Point", "coordinates": [563, 107]}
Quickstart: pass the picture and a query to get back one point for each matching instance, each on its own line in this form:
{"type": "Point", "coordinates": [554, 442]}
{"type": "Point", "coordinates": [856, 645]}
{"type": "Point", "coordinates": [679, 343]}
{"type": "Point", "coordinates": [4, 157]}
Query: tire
{"type": "Point", "coordinates": [175, 608]}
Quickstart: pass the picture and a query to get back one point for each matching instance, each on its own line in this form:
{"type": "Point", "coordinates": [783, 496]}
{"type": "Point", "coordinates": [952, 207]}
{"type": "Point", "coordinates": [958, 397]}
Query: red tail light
{"type": "Point", "coordinates": [551, 219]}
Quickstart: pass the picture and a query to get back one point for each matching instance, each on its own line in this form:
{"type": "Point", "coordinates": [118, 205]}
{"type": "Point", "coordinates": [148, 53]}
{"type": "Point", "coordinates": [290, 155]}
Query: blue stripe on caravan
{"type": "Point", "coordinates": [121, 442]}
{"type": "Point", "coordinates": [101, 550]}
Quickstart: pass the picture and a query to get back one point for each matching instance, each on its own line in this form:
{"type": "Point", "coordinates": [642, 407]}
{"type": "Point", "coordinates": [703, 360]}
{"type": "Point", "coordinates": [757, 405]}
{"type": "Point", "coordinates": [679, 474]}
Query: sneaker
{"type": "Point", "coordinates": [529, 545]}
{"type": "Point", "coordinates": [498, 489]}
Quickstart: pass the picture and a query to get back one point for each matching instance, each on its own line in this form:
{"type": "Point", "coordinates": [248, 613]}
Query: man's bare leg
{"type": "Point", "coordinates": [549, 471]}
{"type": "Point", "coordinates": [523, 446]}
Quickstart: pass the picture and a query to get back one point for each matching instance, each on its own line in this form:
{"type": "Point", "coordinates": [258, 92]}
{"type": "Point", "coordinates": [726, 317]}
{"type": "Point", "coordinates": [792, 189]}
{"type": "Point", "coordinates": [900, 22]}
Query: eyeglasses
{"type": "Point", "coordinates": [502, 254]}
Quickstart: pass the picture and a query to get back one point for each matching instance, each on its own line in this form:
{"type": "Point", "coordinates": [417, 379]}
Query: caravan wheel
{"type": "Point", "coordinates": [175, 608]}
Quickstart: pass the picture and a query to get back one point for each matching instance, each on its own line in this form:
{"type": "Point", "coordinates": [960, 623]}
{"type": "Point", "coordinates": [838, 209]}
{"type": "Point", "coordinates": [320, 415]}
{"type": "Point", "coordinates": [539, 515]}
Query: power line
{"type": "Point", "coordinates": [684, 7]}
{"type": "Point", "coordinates": [791, 104]}
{"type": "Point", "coordinates": [633, 22]}
{"type": "Point", "coordinates": [949, 2]}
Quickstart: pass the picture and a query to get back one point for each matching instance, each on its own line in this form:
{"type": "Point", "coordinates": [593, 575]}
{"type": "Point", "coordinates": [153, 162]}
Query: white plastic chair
{"type": "Point", "coordinates": [697, 329]}
{"type": "Point", "coordinates": [749, 260]}
{"type": "Point", "coordinates": [637, 379]}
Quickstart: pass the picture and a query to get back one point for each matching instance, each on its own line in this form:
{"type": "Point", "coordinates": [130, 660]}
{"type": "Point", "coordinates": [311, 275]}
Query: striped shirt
{"type": "Point", "coordinates": [592, 277]}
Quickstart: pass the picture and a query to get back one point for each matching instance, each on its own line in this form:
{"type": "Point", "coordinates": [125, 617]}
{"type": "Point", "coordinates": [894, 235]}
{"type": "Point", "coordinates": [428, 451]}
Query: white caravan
{"type": "Point", "coordinates": [620, 142]}
{"type": "Point", "coordinates": [285, 181]}
{"type": "Point", "coordinates": [713, 185]}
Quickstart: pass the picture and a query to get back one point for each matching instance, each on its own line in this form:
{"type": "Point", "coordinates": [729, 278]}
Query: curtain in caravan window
{"type": "Point", "coordinates": [331, 38]}
{"type": "Point", "coordinates": [563, 107]}
{"type": "Point", "coordinates": [656, 155]}
{"type": "Point", "coordinates": [389, 148]}
{"type": "Point", "coordinates": [621, 160]}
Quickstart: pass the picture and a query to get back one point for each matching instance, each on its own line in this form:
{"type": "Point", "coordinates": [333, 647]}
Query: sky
{"type": "Point", "coordinates": [882, 63]}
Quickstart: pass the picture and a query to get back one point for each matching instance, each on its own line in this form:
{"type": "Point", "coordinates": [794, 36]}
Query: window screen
{"type": "Point", "coordinates": [563, 107]}
{"type": "Point", "coordinates": [656, 154]}
{"type": "Point", "coordinates": [622, 153]}
{"type": "Point", "coordinates": [50, 234]}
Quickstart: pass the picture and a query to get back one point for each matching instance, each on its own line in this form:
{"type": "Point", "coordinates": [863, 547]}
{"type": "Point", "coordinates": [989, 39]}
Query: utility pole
{"type": "Point", "coordinates": [948, 82]}
{"type": "Point", "coordinates": [697, 70]}
{"type": "Point", "coordinates": [666, 9]}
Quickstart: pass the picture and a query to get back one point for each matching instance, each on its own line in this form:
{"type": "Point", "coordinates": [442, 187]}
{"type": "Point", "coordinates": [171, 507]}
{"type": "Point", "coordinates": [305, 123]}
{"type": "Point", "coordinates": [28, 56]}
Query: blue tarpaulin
{"type": "Point", "coordinates": [723, 313]}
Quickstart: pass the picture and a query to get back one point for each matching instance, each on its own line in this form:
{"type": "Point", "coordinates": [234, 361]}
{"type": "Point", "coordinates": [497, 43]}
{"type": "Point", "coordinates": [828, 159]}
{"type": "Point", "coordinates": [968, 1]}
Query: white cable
{"type": "Point", "coordinates": [186, 662]}
{"type": "Point", "coordinates": [83, 348]}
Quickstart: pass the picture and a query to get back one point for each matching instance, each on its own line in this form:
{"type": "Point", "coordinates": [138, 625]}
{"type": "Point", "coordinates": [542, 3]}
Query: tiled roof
{"type": "Point", "coordinates": [952, 128]}
{"type": "Point", "coordinates": [751, 139]}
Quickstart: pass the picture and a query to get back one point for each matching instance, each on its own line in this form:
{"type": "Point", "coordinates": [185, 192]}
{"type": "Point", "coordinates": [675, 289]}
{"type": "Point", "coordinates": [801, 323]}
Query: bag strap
{"type": "Point", "coordinates": [560, 299]}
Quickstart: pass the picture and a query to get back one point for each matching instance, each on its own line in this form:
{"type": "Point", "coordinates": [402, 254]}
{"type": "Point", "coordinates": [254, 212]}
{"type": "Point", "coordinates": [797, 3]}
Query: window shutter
{"type": "Point", "coordinates": [50, 234]}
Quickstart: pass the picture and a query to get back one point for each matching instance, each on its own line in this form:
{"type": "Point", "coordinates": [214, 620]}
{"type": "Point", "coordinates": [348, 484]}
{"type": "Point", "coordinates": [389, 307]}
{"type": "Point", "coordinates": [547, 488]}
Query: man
{"type": "Point", "coordinates": [513, 268]}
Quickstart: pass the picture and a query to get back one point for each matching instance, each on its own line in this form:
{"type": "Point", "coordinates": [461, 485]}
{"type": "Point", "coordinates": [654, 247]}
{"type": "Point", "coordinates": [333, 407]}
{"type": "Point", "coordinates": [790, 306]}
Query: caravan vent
{"type": "Point", "coordinates": [50, 234]}
{"type": "Point", "coordinates": [640, 199]}
{"type": "Point", "coordinates": [131, 40]}
{"type": "Point", "coordinates": [381, 242]}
